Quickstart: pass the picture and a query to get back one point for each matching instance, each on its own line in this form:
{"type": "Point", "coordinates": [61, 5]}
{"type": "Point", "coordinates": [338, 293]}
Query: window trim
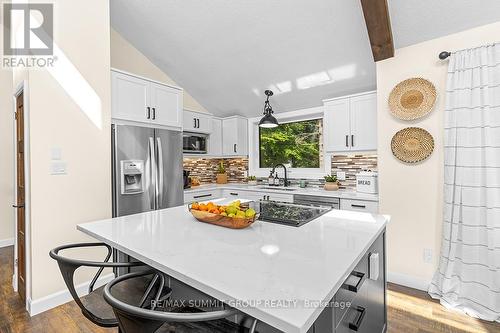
{"type": "Point", "coordinates": [254, 168]}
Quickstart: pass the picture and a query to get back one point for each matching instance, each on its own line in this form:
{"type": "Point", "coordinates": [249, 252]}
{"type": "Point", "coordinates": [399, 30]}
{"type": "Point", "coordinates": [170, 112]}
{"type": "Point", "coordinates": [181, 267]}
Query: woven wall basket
{"type": "Point", "coordinates": [412, 144]}
{"type": "Point", "coordinates": [412, 99]}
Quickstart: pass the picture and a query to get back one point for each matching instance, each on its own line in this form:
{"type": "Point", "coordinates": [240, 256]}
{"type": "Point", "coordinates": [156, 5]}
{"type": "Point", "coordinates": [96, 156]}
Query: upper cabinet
{"type": "Point", "coordinates": [234, 136]}
{"type": "Point", "coordinates": [197, 122]}
{"type": "Point", "coordinates": [215, 139]}
{"type": "Point", "coordinates": [350, 123]}
{"type": "Point", "coordinates": [142, 101]}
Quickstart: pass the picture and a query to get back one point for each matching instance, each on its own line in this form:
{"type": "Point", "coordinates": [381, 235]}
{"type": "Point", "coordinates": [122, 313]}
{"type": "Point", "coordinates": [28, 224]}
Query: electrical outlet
{"type": "Point", "coordinates": [428, 256]}
{"type": "Point", "coordinates": [340, 175]}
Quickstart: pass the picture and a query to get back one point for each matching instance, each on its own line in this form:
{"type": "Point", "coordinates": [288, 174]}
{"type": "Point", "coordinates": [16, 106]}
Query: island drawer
{"type": "Point", "coordinates": [352, 287]}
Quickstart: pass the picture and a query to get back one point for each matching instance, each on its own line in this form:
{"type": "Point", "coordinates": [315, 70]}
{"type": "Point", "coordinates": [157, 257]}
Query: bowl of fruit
{"type": "Point", "coordinates": [235, 215]}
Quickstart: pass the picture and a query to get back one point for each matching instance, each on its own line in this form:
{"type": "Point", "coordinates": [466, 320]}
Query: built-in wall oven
{"type": "Point", "coordinates": [314, 200]}
{"type": "Point", "coordinates": [194, 143]}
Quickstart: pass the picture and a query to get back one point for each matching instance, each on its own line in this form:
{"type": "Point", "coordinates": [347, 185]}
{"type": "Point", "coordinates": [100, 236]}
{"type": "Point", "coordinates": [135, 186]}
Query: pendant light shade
{"type": "Point", "coordinates": [268, 121]}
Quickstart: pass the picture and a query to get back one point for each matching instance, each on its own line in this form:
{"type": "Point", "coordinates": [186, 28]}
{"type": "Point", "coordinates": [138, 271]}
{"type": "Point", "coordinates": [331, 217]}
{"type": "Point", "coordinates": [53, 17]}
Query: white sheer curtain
{"type": "Point", "coordinates": [468, 277]}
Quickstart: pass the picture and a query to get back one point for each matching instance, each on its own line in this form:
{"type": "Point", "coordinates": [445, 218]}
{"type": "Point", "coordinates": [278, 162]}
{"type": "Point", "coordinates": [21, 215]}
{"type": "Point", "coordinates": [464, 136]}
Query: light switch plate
{"type": "Point", "coordinates": [340, 175]}
{"type": "Point", "coordinates": [58, 168]}
{"type": "Point", "coordinates": [55, 153]}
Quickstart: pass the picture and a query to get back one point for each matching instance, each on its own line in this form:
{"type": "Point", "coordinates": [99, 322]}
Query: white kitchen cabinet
{"type": "Point", "coordinates": [350, 123]}
{"type": "Point", "coordinates": [215, 139]}
{"type": "Point", "coordinates": [257, 195]}
{"type": "Point", "coordinates": [197, 122]}
{"type": "Point", "coordinates": [201, 196]}
{"type": "Point", "coordinates": [234, 136]}
{"type": "Point", "coordinates": [166, 105]}
{"type": "Point", "coordinates": [359, 205]}
{"type": "Point", "coordinates": [138, 100]}
{"type": "Point", "coordinates": [130, 98]}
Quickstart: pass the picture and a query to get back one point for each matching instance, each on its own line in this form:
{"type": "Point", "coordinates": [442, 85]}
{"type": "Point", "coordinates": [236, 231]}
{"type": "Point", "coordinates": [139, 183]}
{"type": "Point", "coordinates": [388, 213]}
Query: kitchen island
{"type": "Point", "coordinates": [294, 279]}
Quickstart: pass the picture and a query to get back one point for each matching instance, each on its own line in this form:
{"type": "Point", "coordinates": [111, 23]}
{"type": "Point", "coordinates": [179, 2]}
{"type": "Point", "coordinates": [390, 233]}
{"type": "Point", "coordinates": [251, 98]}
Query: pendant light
{"type": "Point", "coordinates": [268, 121]}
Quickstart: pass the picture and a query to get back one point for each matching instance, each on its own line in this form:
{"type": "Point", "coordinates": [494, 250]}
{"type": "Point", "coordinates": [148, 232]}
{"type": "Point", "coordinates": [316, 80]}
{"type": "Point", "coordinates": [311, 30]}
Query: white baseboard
{"type": "Point", "coordinates": [408, 281]}
{"type": "Point", "coordinates": [6, 242]}
{"type": "Point", "coordinates": [51, 301]}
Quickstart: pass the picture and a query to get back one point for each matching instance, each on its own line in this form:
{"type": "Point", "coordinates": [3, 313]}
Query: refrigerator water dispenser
{"type": "Point", "coordinates": [132, 176]}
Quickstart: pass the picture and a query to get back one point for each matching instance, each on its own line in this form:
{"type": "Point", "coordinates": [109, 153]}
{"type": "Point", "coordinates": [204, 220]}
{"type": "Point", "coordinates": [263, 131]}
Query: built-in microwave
{"type": "Point", "coordinates": [194, 143]}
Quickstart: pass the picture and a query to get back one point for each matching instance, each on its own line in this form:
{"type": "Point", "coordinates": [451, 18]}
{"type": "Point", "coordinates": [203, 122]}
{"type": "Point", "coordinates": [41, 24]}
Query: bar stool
{"type": "Point", "coordinates": [93, 305]}
{"type": "Point", "coordinates": [133, 319]}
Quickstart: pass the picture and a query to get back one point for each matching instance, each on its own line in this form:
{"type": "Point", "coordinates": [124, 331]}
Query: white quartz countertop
{"type": "Point", "coordinates": [317, 191]}
{"type": "Point", "coordinates": [281, 272]}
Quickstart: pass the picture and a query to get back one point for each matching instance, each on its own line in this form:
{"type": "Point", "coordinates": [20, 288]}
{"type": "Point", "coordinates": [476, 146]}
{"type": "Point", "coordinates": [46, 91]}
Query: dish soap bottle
{"type": "Point", "coordinates": [276, 180]}
{"type": "Point", "coordinates": [270, 179]}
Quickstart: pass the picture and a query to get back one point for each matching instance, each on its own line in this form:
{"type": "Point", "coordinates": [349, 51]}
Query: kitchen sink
{"type": "Point", "coordinates": [280, 188]}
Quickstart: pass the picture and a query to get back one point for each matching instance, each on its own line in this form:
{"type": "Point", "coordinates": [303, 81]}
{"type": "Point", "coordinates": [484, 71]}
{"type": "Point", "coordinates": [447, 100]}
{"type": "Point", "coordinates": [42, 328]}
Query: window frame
{"type": "Point", "coordinates": [254, 168]}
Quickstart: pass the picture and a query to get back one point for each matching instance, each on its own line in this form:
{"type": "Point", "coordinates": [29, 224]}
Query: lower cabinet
{"type": "Point", "coordinates": [257, 195]}
{"type": "Point", "coordinates": [359, 205]}
{"type": "Point", "coordinates": [201, 196]}
{"type": "Point", "coordinates": [360, 304]}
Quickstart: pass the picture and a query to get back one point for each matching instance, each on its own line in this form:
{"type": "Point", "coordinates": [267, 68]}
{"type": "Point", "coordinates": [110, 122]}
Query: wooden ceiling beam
{"type": "Point", "coordinates": [378, 23]}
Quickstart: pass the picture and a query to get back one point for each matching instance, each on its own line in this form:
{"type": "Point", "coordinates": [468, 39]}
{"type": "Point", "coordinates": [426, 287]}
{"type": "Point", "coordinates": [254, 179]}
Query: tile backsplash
{"type": "Point", "coordinates": [206, 168]}
{"type": "Point", "coordinates": [351, 165]}
{"type": "Point", "coordinates": [237, 168]}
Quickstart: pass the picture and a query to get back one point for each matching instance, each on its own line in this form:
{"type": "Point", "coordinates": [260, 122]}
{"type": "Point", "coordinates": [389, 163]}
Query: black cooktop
{"type": "Point", "coordinates": [288, 213]}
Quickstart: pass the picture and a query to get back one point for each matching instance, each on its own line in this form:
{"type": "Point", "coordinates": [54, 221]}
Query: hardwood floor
{"type": "Point", "coordinates": [409, 311]}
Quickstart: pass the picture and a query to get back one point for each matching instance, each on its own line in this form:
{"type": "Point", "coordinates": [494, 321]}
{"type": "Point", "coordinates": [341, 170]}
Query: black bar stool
{"type": "Point", "coordinates": [133, 319]}
{"type": "Point", "coordinates": [93, 305]}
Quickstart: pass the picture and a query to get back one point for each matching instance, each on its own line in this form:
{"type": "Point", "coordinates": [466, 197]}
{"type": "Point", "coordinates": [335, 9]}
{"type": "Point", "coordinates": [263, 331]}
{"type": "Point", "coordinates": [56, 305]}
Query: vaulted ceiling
{"type": "Point", "coordinates": [225, 53]}
{"type": "Point", "coordinates": [415, 21]}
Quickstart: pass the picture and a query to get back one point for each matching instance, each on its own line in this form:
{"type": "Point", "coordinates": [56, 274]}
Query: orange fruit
{"type": "Point", "coordinates": [203, 207]}
{"type": "Point", "coordinates": [195, 206]}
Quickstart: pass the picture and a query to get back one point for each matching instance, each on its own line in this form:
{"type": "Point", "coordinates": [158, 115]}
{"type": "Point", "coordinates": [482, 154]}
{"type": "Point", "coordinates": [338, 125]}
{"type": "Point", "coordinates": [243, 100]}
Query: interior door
{"type": "Point", "coordinates": [132, 144]}
{"type": "Point", "coordinates": [130, 98]}
{"type": "Point", "coordinates": [337, 125]}
{"type": "Point", "coordinates": [166, 103]}
{"type": "Point", "coordinates": [364, 122]}
{"type": "Point", "coordinates": [20, 199]}
{"type": "Point", "coordinates": [169, 160]}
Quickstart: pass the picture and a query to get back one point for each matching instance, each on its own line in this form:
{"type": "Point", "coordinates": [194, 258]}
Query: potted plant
{"type": "Point", "coordinates": [252, 180]}
{"type": "Point", "coordinates": [331, 183]}
{"type": "Point", "coordinates": [221, 174]}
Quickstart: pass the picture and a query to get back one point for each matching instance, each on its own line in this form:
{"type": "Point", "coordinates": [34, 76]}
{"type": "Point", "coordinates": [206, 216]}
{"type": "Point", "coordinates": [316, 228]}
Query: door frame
{"type": "Point", "coordinates": [22, 87]}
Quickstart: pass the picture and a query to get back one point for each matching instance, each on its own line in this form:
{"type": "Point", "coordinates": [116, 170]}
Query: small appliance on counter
{"type": "Point", "coordinates": [187, 179]}
{"type": "Point", "coordinates": [367, 182]}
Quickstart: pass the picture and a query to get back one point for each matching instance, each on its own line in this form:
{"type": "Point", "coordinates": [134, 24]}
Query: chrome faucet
{"type": "Point", "coordinates": [284, 168]}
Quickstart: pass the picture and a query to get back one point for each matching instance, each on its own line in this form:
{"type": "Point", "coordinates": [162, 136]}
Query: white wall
{"type": "Point", "coordinates": [412, 194]}
{"type": "Point", "coordinates": [69, 109]}
{"type": "Point", "coordinates": [126, 57]}
{"type": "Point", "coordinates": [6, 158]}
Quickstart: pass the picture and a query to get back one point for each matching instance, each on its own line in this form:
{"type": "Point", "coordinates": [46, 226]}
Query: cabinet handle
{"type": "Point", "coordinates": [356, 324]}
{"type": "Point", "coordinates": [352, 140]}
{"type": "Point", "coordinates": [202, 196]}
{"type": "Point", "coordinates": [194, 120]}
{"type": "Point", "coordinates": [198, 122]}
{"type": "Point", "coordinates": [148, 112]}
{"type": "Point", "coordinates": [358, 206]}
{"type": "Point", "coordinates": [18, 206]}
{"type": "Point", "coordinates": [234, 147]}
{"type": "Point", "coordinates": [154, 113]}
{"type": "Point", "coordinates": [347, 140]}
{"type": "Point", "coordinates": [357, 287]}
{"type": "Point", "coordinates": [233, 193]}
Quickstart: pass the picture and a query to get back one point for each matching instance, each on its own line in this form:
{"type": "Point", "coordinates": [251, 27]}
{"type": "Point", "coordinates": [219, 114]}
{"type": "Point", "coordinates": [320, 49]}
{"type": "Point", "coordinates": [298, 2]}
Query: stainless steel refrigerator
{"type": "Point", "coordinates": [147, 169]}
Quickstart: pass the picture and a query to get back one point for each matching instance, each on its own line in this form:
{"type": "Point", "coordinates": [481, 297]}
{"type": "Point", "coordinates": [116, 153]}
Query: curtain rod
{"type": "Point", "coordinates": [445, 54]}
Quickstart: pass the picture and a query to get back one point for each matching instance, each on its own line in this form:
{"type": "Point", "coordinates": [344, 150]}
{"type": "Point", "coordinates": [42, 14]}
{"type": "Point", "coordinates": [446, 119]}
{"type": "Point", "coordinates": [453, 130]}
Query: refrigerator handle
{"type": "Point", "coordinates": [160, 172]}
{"type": "Point", "coordinates": [153, 172]}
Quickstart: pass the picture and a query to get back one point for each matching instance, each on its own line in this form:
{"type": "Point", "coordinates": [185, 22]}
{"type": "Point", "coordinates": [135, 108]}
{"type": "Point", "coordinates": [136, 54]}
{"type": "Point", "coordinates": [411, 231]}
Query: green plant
{"type": "Point", "coordinates": [331, 179]}
{"type": "Point", "coordinates": [251, 178]}
{"type": "Point", "coordinates": [221, 168]}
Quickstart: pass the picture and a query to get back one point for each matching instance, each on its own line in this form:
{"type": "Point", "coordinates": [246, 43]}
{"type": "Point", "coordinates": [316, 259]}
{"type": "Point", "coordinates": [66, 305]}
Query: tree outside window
{"type": "Point", "coordinates": [296, 143]}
